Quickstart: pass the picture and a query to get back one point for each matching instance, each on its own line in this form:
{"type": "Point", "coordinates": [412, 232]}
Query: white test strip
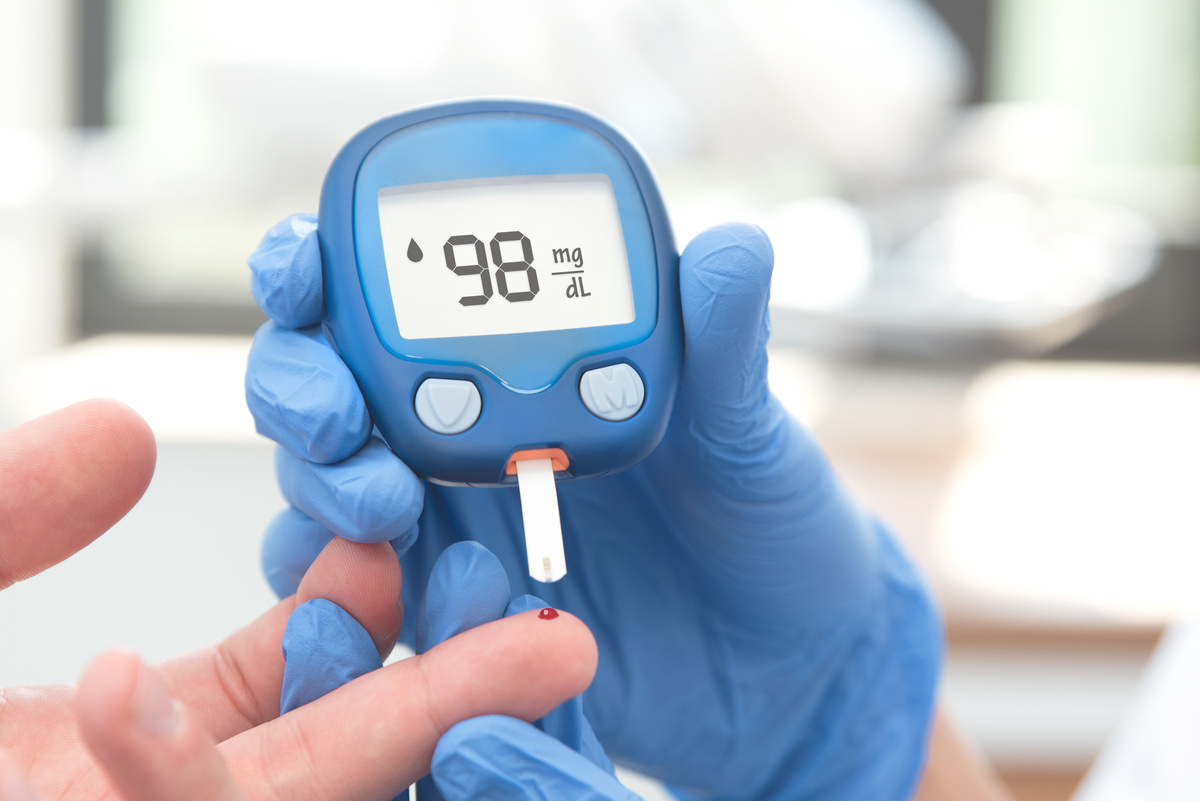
{"type": "Point", "coordinates": [543, 527]}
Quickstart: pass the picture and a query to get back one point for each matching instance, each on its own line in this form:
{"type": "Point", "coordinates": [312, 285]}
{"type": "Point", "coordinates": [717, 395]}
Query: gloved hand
{"type": "Point", "coordinates": [760, 635]}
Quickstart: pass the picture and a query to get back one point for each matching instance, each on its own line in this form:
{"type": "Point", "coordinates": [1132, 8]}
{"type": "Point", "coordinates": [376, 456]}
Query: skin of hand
{"type": "Point", "coordinates": [956, 771]}
{"type": "Point", "coordinates": [207, 725]}
{"type": "Point", "coordinates": [760, 634]}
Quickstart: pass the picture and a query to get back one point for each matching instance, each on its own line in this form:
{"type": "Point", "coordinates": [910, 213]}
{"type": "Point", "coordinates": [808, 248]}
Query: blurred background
{"type": "Point", "coordinates": [986, 216]}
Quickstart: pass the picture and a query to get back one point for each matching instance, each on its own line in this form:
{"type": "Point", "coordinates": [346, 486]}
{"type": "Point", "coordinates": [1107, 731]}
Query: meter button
{"type": "Point", "coordinates": [612, 393]}
{"type": "Point", "coordinates": [447, 406]}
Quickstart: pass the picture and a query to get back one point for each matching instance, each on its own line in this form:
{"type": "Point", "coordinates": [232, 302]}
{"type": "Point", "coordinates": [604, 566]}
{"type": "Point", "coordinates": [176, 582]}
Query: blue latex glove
{"type": "Point", "coordinates": [505, 759]}
{"type": "Point", "coordinates": [323, 648]}
{"type": "Point", "coordinates": [760, 635]}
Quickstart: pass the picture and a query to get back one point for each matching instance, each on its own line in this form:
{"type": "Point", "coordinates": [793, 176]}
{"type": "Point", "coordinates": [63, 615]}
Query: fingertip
{"type": "Point", "coordinates": [121, 699]}
{"type": "Point", "coordinates": [738, 251]}
{"type": "Point", "coordinates": [569, 647]}
{"type": "Point", "coordinates": [402, 543]}
{"type": "Point", "coordinates": [405, 541]}
{"type": "Point", "coordinates": [724, 283]}
{"type": "Point", "coordinates": [574, 651]}
{"type": "Point", "coordinates": [129, 438]}
{"type": "Point", "coordinates": [286, 273]}
{"type": "Point", "coordinates": [534, 665]}
{"type": "Point", "coordinates": [725, 279]}
{"type": "Point", "coordinates": [364, 580]}
{"type": "Point", "coordinates": [70, 475]}
{"type": "Point", "coordinates": [150, 745]}
{"type": "Point", "coordinates": [105, 688]}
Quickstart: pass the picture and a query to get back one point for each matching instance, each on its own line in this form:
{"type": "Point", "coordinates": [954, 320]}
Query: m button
{"type": "Point", "coordinates": [612, 393]}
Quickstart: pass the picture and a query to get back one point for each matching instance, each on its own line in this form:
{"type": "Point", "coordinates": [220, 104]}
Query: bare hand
{"type": "Point", "coordinates": [207, 725]}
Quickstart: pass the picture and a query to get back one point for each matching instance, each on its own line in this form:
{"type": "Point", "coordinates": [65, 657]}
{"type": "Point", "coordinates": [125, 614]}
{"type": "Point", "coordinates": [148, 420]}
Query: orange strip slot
{"type": "Point", "coordinates": [558, 459]}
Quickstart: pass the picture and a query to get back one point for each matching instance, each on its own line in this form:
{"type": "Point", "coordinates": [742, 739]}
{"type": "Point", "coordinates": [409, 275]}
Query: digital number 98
{"type": "Point", "coordinates": [480, 267]}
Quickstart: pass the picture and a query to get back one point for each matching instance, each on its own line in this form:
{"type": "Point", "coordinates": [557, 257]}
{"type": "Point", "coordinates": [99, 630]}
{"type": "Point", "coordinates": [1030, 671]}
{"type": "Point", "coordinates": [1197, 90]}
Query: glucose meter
{"type": "Point", "coordinates": [501, 279]}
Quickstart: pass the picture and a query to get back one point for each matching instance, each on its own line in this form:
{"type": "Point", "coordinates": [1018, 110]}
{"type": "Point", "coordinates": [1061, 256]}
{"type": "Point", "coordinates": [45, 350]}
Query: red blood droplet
{"type": "Point", "coordinates": [547, 614]}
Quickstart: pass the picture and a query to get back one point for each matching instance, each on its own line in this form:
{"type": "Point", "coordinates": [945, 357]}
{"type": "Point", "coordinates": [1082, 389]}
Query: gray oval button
{"type": "Point", "coordinates": [612, 393]}
{"type": "Point", "coordinates": [447, 406]}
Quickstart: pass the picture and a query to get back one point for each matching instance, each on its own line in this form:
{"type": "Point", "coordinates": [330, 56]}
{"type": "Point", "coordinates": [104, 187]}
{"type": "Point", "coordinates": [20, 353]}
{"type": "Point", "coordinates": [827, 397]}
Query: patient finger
{"type": "Point", "coordinates": [365, 581]}
{"type": "Point", "coordinates": [151, 747]}
{"type": "Point", "coordinates": [235, 685]}
{"type": "Point", "coordinates": [65, 479]}
{"type": "Point", "coordinates": [373, 737]}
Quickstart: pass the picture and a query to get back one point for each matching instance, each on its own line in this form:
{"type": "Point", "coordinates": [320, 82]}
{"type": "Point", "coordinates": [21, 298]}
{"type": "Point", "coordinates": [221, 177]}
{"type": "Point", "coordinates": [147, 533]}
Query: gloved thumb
{"type": "Point", "coordinates": [724, 284]}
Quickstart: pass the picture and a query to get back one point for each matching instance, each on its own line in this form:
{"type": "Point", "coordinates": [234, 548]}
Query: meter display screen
{"type": "Point", "coordinates": [505, 256]}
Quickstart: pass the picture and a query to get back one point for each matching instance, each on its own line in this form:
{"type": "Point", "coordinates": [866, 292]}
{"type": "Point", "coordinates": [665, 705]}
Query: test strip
{"type": "Point", "coordinates": [543, 527]}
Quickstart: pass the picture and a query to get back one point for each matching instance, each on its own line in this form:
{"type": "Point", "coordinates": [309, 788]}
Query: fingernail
{"type": "Point", "coordinates": [152, 708]}
{"type": "Point", "coordinates": [13, 784]}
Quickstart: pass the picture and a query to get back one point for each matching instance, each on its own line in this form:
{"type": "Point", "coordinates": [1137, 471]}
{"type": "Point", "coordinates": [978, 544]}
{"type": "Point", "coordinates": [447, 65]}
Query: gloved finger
{"type": "Point", "coordinates": [749, 461]}
{"type": "Point", "coordinates": [323, 648]}
{"type": "Point", "coordinates": [501, 758]}
{"type": "Point", "coordinates": [566, 722]}
{"type": "Point", "coordinates": [236, 685]}
{"type": "Point", "coordinates": [736, 430]}
{"type": "Point", "coordinates": [291, 543]}
{"type": "Point", "coordinates": [724, 283]}
{"type": "Point", "coordinates": [466, 588]}
{"type": "Point", "coordinates": [370, 497]}
{"type": "Point", "coordinates": [520, 666]}
{"type": "Point", "coordinates": [285, 273]}
{"type": "Point", "coordinates": [303, 396]}
{"type": "Point", "coordinates": [152, 747]}
{"type": "Point", "coordinates": [65, 478]}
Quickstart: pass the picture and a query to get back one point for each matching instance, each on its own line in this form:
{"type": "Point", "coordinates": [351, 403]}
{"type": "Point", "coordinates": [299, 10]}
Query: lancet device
{"type": "Point", "coordinates": [501, 278]}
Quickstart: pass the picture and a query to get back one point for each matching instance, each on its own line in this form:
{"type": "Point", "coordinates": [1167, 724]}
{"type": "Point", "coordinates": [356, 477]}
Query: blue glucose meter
{"type": "Point", "coordinates": [501, 278]}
